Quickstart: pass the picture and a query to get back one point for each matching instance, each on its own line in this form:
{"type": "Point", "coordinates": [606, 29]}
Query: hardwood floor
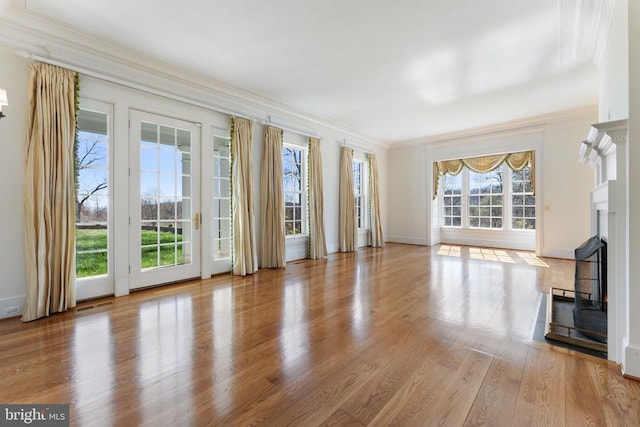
{"type": "Point", "coordinates": [404, 335]}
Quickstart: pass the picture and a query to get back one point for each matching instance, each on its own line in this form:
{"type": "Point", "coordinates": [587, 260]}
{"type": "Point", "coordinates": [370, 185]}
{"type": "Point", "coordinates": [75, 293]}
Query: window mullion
{"type": "Point", "coordinates": [465, 198]}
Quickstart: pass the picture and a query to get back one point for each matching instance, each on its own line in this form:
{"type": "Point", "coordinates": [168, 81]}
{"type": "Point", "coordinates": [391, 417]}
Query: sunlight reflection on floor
{"type": "Point", "coordinates": [489, 254]}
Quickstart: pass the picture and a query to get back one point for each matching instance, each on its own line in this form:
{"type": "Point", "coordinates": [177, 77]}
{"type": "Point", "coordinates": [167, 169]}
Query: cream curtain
{"type": "Point", "coordinates": [245, 257]}
{"type": "Point", "coordinates": [49, 190]}
{"type": "Point", "coordinates": [317, 241]}
{"type": "Point", "coordinates": [272, 245]}
{"type": "Point", "coordinates": [516, 161]}
{"type": "Point", "coordinates": [348, 233]}
{"type": "Point", "coordinates": [376, 236]}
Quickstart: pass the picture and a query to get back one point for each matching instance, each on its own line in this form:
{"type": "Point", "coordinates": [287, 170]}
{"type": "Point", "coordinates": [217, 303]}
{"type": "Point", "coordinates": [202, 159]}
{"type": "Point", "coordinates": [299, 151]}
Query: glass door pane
{"type": "Point", "coordinates": [221, 198]}
{"type": "Point", "coordinates": [167, 226]}
{"type": "Point", "coordinates": [165, 191]}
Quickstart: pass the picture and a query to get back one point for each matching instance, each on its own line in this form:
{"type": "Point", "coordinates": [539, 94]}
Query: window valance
{"type": "Point", "coordinates": [516, 161]}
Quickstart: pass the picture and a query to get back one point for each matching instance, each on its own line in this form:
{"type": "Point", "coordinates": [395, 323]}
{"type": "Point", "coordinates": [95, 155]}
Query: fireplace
{"type": "Point", "coordinates": [590, 309]}
{"type": "Point", "coordinates": [578, 316]}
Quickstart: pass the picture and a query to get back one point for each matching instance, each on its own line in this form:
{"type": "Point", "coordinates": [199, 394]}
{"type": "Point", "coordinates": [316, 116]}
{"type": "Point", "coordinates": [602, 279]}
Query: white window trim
{"type": "Point", "coordinates": [507, 237]}
{"type": "Point", "coordinates": [364, 193]}
{"type": "Point", "coordinates": [507, 224]}
{"type": "Point", "coordinates": [304, 195]}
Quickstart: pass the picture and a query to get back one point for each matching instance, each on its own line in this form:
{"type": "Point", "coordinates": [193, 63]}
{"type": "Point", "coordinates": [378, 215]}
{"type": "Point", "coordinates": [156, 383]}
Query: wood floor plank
{"type": "Point", "coordinates": [583, 402]}
{"type": "Point", "coordinates": [620, 396]}
{"type": "Point", "coordinates": [341, 419]}
{"type": "Point", "coordinates": [456, 399]}
{"type": "Point", "coordinates": [373, 395]}
{"type": "Point", "coordinates": [404, 335]}
{"type": "Point", "coordinates": [497, 396]}
{"type": "Point", "coordinates": [541, 398]}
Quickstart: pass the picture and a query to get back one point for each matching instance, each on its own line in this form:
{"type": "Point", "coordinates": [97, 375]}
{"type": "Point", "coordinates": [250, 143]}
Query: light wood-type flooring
{"type": "Point", "coordinates": [404, 335]}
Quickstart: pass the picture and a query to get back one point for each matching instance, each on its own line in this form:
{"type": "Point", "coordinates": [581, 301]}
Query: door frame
{"type": "Point", "coordinates": [139, 278]}
{"type": "Point", "coordinates": [102, 285]}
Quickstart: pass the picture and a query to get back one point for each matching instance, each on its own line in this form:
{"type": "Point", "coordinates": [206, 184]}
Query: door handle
{"type": "Point", "coordinates": [197, 221]}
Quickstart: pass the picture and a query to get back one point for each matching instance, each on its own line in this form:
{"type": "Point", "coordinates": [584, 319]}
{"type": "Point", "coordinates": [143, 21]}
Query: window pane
{"type": "Point", "coordinates": [294, 187]}
{"type": "Point", "coordinates": [168, 209]}
{"type": "Point", "coordinates": [92, 202]}
{"type": "Point", "coordinates": [221, 214]}
{"type": "Point", "coordinates": [91, 264]}
{"type": "Point", "coordinates": [488, 206]}
{"type": "Point", "coordinates": [452, 188]}
{"type": "Point", "coordinates": [523, 200]}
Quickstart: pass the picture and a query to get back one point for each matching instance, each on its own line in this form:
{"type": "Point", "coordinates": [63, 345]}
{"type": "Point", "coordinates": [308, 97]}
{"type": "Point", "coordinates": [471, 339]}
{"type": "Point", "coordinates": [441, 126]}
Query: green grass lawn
{"type": "Point", "coordinates": [93, 264]}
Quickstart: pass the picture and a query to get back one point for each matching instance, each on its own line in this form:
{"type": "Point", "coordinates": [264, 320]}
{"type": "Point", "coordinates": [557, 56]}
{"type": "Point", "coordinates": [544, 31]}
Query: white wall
{"type": "Point", "coordinates": [614, 68]}
{"type": "Point", "coordinates": [566, 183]}
{"type": "Point", "coordinates": [567, 188]}
{"type": "Point", "coordinates": [13, 77]}
{"type": "Point", "coordinates": [407, 195]}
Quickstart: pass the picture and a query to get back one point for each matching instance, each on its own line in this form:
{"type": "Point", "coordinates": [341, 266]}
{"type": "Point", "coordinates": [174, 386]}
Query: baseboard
{"type": "Point", "coordinates": [11, 307]}
{"type": "Point", "coordinates": [631, 367]}
{"type": "Point", "coordinates": [408, 240]}
{"type": "Point", "coordinates": [332, 248]}
{"type": "Point", "coordinates": [559, 253]}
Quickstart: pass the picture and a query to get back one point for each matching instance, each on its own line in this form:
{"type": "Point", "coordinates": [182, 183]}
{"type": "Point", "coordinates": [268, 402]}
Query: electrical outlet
{"type": "Point", "coordinates": [12, 311]}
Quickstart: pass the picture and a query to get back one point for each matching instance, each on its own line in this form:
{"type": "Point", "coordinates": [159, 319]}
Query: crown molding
{"type": "Point", "coordinates": [34, 34]}
{"type": "Point", "coordinates": [524, 125]}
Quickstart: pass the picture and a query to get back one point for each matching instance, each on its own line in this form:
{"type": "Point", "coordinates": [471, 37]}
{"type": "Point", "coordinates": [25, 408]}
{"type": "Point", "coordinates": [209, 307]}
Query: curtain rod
{"type": "Point", "coordinates": [129, 84]}
{"type": "Point", "coordinates": [353, 147]}
{"type": "Point", "coordinates": [288, 129]}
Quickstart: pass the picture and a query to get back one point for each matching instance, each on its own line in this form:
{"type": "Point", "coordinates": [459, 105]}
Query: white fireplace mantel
{"type": "Point", "coordinates": [605, 149]}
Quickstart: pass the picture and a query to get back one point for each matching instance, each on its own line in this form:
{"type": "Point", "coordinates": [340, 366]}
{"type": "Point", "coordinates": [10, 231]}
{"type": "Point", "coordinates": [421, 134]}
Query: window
{"type": "Point", "coordinates": [501, 199]}
{"type": "Point", "coordinates": [221, 198]}
{"type": "Point", "coordinates": [452, 200]}
{"type": "Point", "coordinates": [358, 193]}
{"type": "Point", "coordinates": [485, 199]}
{"type": "Point", "coordinates": [523, 202]}
{"type": "Point", "coordinates": [92, 202]}
{"type": "Point", "coordinates": [295, 189]}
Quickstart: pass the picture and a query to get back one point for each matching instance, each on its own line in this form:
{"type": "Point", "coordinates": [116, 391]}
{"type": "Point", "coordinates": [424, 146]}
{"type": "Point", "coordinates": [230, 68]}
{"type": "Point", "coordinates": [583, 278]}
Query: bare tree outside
{"type": "Point", "coordinates": [91, 154]}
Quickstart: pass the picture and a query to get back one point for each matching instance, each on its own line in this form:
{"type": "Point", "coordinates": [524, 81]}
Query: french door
{"type": "Point", "coordinates": [164, 206]}
{"type": "Point", "coordinates": [221, 209]}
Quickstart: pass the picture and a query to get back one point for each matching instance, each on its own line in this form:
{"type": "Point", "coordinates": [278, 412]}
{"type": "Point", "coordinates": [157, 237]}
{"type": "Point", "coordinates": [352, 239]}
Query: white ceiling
{"type": "Point", "coordinates": [394, 70]}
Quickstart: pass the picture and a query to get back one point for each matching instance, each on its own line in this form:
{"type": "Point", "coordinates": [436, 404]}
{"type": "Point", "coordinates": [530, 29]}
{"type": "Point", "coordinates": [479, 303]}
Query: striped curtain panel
{"type": "Point", "coordinates": [49, 192]}
{"type": "Point", "coordinates": [376, 237]}
{"type": "Point", "coordinates": [348, 232]}
{"type": "Point", "coordinates": [272, 243]}
{"type": "Point", "coordinates": [245, 256]}
{"type": "Point", "coordinates": [317, 240]}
